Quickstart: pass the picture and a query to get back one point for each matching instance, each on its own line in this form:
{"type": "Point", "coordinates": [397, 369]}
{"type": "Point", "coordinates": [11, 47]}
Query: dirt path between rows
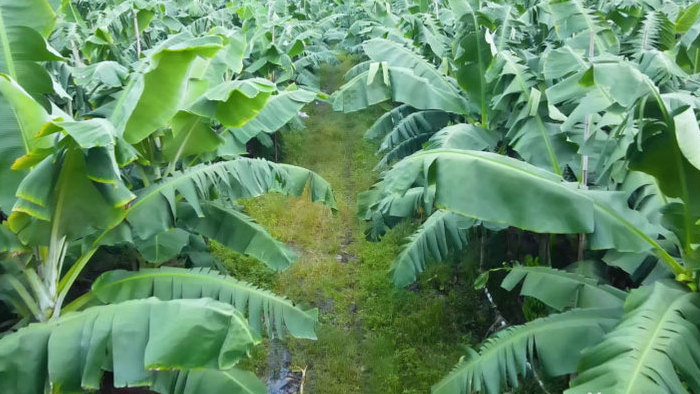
{"type": "Point", "coordinates": [372, 337]}
{"type": "Point", "coordinates": [331, 145]}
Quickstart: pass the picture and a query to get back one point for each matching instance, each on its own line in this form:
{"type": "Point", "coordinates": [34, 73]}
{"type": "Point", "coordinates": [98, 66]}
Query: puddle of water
{"type": "Point", "coordinates": [282, 379]}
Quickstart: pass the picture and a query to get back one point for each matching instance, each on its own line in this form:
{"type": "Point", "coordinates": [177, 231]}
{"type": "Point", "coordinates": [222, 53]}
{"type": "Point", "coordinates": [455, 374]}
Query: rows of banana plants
{"type": "Point", "coordinates": [125, 125]}
{"type": "Point", "coordinates": [571, 122]}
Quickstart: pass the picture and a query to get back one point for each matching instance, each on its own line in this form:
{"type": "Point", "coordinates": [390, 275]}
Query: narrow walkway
{"type": "Point", "coordinates": [373, 338]}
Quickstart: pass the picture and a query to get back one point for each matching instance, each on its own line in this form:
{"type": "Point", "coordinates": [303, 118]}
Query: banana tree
{"type": "Point", "coordinates": [149, 169]}
{"type": "Point", "coordinates": [534, 108]}
{"type": "Point", "coordinates": [482, 185]}
{"type": "Point", "coordinates": [609, 93]}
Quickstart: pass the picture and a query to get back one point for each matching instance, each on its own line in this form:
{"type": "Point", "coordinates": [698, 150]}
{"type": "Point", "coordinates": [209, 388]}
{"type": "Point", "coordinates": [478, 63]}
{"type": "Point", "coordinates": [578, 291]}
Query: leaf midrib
{"type": "Point", "coordinates": [457, 152]}
{"type": "Point", "coordinates": [176, 180]}
{"type": "Point", "coordinates": [673, 264]}
{"type": "Point", "coordinates": [649, 344]}
{"type": "Point", "coordinates": [576, 321]}
{"type": "Point", "coordinates": [234, 284]}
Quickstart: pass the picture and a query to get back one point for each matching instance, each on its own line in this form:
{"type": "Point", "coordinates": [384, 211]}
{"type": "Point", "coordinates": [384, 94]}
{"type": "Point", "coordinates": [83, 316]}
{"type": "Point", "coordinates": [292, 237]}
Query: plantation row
{"type": "Point", "coordinates": [551, 147]}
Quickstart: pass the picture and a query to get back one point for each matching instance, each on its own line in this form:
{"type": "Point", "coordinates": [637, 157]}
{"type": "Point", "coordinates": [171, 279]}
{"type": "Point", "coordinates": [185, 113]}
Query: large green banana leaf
{"type": "Point", "coordinates": [619, 227]}
{"type": "Point", "coordinates": [463, 136]}
{"type": "Point", "coordinates": [280, 109]}
{"type": "Point", "coordinates": [238, 232]}
{"type": "Point", "coordinates": [661, 155]}
{"type": "Point", "coordinates": [21, 118]}
{"type": "Point", "coordinates": [383, 82]}
{"type": "Point", "coordinates": [23, 29]}
{"type": "Point", "coordinates": [496, 188]}
{"type": "Point", "coordinates": [155, 210]}
{"type": "Point", "coordinates": [278, 314]}
{"type": "Point", "coordinates": [387, 121]}
{"type": "Point", "coordinates": [190, 135]}
{"type": "Point", "coordinates": [134, 340]}
{"type": "Point", "coordinates": [656, 341]}
{"type": "Point", "coordinates": [52, 203]}
{"type": "Point", "coordinates": [557, 340]}
{"type": "Point", "coordinates": [365, 89]}
{"type": "Point", "coordinates": [150, 100]}
{"type": "Point", "coordinates": [53, 193]}
{"type": "Point", "coordinates": [163, 246]}
{"type": "Point", "coordinates": [442, 233]}
{"type": "Point", "coordinates": [561, 289]}
{"type": "Point", "coordinates": [35, 14]}
{"type": "Point", "coordinates": [499, 189]}
{"type": "Point", "coordinates": [234, 103]}
{"type": "Point", "coordinates": [472, 56]}
{"type": "Point", "coordinates": [395, 55]}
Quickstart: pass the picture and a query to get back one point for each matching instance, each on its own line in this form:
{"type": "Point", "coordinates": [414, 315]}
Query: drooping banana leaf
{"type": "Point", "coordinates": [155, 210]}
{"type": "Point", "coordinates": [150, 100]}
{"type": "Point", "coordinates": [163, 246]}
{"type": "Point", "coordinates": [499, 189]}
{"type": "Point", "coordinates": [22, 117]}
{"type": "Point", "coordinates": [496, 188]}
{"type": "Point", "coordinates": [372, 202]}
{"type": "Point", "coordinates": [234, 103]}
{"type": "Point", "coordinates": [386, 122]}
{"type": "Point", "coordinates": [395, 55]}
{"type": "Point", "coordinates": [442, 233]}
{"type": "Point", "coordinates": [423, 122]}
{"type": "Point", "coordinates": [557, 340]}
{"type": "Point", "coordinates": [238, 232]}
{"type": "Point", "coordinates": [660, 153]}
{"type": "Point", "coordinates": [409, 134]}
{"type": "Point", "coordinates": [52, 203]}
{"type": "Point", "coordinates": [365, 89]}
{"type": "Point", "coordinates": [133, 339]}
{"type": "Point", "coordinates": [463, 136]}
{"type": "Point", "coordinates": [190, 135]}
{"type": "Point", "coordinates": [402, 85]}
{"type": "Point", "coordinates": [280, 109]}
{"type": "Point", "coordinates": [561, 289]}
{"type": "Point", "coordinates": [404, 148]}
{"type": "Point", "coordinates": [298, 179]}
{"type": "Point", "coordinates": [386, 211]}
{"type": "Point", "coordinates": [656, 341]}
{"type": "Point", "coordinates": [277, 313]}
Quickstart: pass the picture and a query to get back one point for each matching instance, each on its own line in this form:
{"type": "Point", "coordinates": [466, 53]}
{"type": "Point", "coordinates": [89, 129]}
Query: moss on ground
{"type": "Point", "coordinates": [373, 337]}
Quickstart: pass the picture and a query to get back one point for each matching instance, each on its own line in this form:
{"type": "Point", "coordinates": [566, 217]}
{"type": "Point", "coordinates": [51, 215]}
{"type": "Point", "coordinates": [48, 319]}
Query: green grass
{"type": "Point", "coordinates": [373, 337]}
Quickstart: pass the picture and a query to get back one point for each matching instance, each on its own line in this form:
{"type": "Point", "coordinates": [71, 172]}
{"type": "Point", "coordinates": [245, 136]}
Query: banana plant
{"type": "Point", "coordinates": [544, 126]}
{"type": "Point", "coordinates": [554, 105]}
{"type": "Point", "coordinates": [24, 30]}
{"type": "Point", "coordinates": [149, 168]}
